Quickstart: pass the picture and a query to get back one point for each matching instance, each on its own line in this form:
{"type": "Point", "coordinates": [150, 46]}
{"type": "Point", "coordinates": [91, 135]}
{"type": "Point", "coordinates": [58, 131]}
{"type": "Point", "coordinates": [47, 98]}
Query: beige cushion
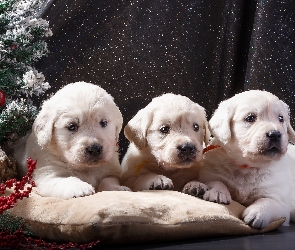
{"type": "Point", "coordinates": [127, 217]}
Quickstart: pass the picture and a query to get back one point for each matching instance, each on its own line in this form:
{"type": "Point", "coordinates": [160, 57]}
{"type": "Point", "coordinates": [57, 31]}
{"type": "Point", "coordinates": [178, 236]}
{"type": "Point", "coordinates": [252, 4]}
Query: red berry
{"type": "Point", "coordinates": [2, 98]}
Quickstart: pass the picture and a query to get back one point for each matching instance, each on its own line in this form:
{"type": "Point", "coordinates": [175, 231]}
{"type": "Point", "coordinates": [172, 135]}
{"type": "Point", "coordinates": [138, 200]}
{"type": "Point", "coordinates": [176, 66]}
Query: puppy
{"type": "Point", "coordinates": [166, 139]}
{"type": "Point", "coordinates": [248, 161]}
{"type": "Point", "coordinates": [74, 139]}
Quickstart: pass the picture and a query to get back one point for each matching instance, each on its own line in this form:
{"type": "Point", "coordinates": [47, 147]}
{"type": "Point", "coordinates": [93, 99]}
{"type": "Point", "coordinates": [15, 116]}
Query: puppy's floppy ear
{"type": "Point", "coordinates": [119, 121]}
{"type": "Point", "coordinates": [43, 125]}
{"type": "Point", "coordinates": [136, 129]}
{"type": "Point", "coordinates": [290, 130]}
{"type": "Point", "coordinates": [219, 124]}
{"type": "Point", "coordinates": [207, 133]}
{"type": "Point", "coordinates": [291, 133]}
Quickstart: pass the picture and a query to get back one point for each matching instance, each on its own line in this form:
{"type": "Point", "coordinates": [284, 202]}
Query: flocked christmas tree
{"type": "Point", "coordinates": [22, 43]}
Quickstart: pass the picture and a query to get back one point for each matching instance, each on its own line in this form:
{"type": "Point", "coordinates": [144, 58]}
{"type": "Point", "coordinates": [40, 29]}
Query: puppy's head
{"type": "Point", "coordinates": [253, 126]}
{"type": "Point", "coordinates": [80, 125]}
{"type": "Point", "coordinates": [172, 128]}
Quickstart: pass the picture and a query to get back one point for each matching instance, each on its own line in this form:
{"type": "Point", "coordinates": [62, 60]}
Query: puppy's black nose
{"type": "Point", "coordinates": [94, 149]}
{"type": "Point", "coordinates": [186, 150]}
{"type": "Point", "coordinates": [274, 135]}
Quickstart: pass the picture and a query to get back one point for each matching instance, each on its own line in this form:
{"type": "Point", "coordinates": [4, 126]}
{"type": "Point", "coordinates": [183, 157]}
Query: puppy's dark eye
{"type": "Point", "coordinates": [103, 123]}
{"type": "Point", "coordinates": [72, 127]}
{"type": "Point", "coordinates": [196, 127]}
{"type": "Point", "coordinates": [165, 129]}
{"type": "Point", "coordinates": [251, 118]}
{"type": "Point", "coordinates": [281, 118]}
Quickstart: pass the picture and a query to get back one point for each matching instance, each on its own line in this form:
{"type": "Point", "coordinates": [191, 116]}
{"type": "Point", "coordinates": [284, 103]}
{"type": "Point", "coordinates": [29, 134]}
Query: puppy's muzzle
{"type": "Point", "coordinates": [186, 151]}
{"type": "Point", "coordinates": [94, 150]}
{"type": "Point", "coordinates": [274, 135]}
{"type": "Point", "coordinates": [273, 145]}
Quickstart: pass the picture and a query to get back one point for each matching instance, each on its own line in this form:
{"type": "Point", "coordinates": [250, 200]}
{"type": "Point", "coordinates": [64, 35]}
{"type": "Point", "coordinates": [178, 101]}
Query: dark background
{"type": "Point", "coordinates": [206, 50]}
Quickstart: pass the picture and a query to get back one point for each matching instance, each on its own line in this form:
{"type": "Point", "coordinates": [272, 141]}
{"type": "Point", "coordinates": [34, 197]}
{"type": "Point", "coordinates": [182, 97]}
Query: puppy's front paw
{"type": "Point", "coordinates": [161, 183]}
{"type": "Point", "coordinates": [77, 189]}
{"type": "Point", "coordinates": [195, 188]}
{"type": "Point", "coordinates": [255, 217]}
{"type": "Point", "coordinates": [218, 196]}
{"type": "Point", "coordinates": [83, 190]}
{"type": "Point", "coordinates": [123, 188]}
{"type": "Point", "coordinates": [65, 188]}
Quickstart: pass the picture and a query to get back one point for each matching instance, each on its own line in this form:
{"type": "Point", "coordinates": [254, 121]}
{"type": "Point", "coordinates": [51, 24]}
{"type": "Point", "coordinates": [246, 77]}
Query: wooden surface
{"type": "Point", "coordinates": [281, 239]}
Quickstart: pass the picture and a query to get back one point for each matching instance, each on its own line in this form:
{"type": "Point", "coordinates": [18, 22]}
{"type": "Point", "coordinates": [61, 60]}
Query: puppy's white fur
{"type": "Point", "coordinates": [166, 139]}
{"type": "Point", "coordinates": [74, 140]}
{"type": "Point", "coordinates": [251, 165]}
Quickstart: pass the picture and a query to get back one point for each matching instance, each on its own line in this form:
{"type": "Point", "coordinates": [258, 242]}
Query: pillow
{"type": "Point", "coordinates": [131, 217]}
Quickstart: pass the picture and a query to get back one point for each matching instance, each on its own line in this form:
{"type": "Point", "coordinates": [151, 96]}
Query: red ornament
{"type": "Point", "coordinates": [2, 98]}
{"type": "Point", "coordinates": [13, 46]}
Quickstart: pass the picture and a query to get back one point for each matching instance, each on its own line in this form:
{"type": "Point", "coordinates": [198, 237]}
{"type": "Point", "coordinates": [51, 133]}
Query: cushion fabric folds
{"type": "Point", "coordinates": [117, 217]}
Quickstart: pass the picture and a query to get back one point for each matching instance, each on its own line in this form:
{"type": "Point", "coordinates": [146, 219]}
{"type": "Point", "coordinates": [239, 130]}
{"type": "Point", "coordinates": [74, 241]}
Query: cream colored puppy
{"type": "Point", "coordinates": [249, 164]}
{"type": "Point", "coordinates": [166, 138]}
{"type": "Point", "coordinates": [74, 140]}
